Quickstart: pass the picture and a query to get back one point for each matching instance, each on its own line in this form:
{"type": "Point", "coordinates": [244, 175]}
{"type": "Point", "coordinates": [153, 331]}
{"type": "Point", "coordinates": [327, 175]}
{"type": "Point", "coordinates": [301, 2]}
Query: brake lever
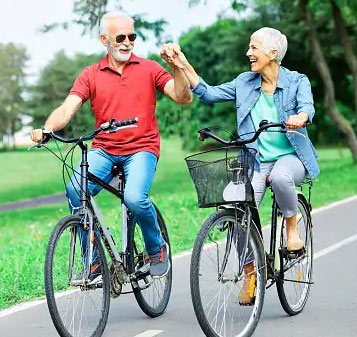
{"type": "Point", "coordinates": [45, 139]}
{"type": "Point", "coordinates": [297, 132]}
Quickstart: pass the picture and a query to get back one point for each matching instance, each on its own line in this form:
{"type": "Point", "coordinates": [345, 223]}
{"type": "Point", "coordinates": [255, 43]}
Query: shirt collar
{"type": "Point", "coordinates": [280, 83]}
{"type": "Point", "coordinates": [104, 63]}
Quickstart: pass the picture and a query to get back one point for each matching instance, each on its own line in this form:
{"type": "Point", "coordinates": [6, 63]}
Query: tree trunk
{"type": "Point", "coordinates": [330, 101]}
{"type": "Point", "coordinates": [13, 130]}
{"type": "Point", "coordinates": [350, 56]}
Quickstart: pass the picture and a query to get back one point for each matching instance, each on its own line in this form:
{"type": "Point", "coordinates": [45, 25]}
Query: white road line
{"type": "Point", "coordinates": [334, 204]}
{"type": "Point", "coordinates": [31, 304]}
{"type": "Point", "coordinates": [149, 333]}
{"type": "Point", "coordinates": [335, 246]}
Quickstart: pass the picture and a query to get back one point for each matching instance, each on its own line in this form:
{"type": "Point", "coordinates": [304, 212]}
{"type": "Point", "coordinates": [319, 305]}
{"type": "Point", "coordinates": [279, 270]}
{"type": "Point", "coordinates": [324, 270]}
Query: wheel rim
{"type": "Point", "coordinates": [80, 308]}
{"type": "Point", "coordinates": [154, 292]}
{"type": "Point", "coordinates": [300, 268]}
{"type": "Point", "coordinates": [219, 299]}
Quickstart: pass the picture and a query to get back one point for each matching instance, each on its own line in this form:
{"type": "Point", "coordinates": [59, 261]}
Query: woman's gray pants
{"type": "Point", "coordinates": [284, 174]}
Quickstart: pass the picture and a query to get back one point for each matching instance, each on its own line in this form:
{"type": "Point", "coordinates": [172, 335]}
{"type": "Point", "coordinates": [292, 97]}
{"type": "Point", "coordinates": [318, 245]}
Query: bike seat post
{"type": "Point", "coordinates": [118, 172]}
{"type": "Point", "coordinates": [84, 176]}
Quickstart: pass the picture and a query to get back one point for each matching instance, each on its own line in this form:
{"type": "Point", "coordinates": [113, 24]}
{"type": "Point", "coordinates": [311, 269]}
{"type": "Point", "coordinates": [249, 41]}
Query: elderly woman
{"type": "Point", "coordinates": [274, 93]}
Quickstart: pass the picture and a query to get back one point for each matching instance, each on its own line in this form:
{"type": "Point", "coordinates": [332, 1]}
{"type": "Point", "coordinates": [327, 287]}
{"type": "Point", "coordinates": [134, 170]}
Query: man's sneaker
{"type": "Point", "coordinates": [94, 276]}
{"type": "Point", "coordinates": [160, 262]}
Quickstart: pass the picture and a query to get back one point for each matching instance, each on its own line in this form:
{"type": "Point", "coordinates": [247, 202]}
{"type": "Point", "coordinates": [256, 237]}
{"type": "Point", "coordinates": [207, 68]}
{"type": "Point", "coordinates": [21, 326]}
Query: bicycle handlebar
{"type": "Point", "coordinates": [109, 127]}
{"type": "Point", "coordinates": [263, 125]}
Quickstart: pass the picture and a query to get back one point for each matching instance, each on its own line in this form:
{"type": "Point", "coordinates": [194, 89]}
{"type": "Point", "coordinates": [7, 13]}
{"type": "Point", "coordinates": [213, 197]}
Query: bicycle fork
{"type": "Point", "coordinates": [239, 234]}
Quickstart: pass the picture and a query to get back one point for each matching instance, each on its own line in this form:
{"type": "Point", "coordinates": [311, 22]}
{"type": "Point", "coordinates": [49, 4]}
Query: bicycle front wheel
{"type": "Point", "coordinates": [151, 294]}
{"type": "Point", "coordinates": [216, 280]}
{"type": "Point", "coordinates": [296, 270]}
{"type": "Point", "coordinates": [79, 306]}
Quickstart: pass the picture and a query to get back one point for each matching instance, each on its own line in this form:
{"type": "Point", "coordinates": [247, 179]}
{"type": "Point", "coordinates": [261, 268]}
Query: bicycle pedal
{"type": "Point", "coordinates": [293, 254]}
{"type": "Point", "coordinates": [143, 271]}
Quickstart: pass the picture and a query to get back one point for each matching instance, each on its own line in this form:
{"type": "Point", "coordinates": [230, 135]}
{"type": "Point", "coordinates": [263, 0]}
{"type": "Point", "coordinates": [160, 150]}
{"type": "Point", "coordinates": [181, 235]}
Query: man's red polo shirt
{"type": "Point", "coordinates": [131, 94]}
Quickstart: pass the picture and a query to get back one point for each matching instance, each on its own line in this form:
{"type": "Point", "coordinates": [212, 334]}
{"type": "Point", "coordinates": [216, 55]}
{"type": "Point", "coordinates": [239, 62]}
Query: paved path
{"type": "Point", "coordinates": [330, 312]}
{"type": "Point", "coordinates": [50, 199]}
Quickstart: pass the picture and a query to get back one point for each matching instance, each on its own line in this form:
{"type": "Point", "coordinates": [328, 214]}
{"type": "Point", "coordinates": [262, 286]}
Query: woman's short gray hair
{"type": "Point", "coordinates": [272, 39]}
{"type": "Point", "coordinates": [103, 25]}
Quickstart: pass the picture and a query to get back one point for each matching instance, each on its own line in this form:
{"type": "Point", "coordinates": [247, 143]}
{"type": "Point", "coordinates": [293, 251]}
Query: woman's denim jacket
{"type": "Point", "coordinates": [292, 95]}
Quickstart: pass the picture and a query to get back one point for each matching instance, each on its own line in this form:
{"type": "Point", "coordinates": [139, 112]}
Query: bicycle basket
{"type": "Point", "coordinates": [222, 176]}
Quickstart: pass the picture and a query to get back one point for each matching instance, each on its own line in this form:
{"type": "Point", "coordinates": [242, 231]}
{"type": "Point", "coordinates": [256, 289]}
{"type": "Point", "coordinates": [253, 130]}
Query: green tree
{"type": "Point", "coordinates": [341, 122]}
{"type": "Point", "coordinates": [53, 86]}
{"type": "Point", "coordinates": [344, 14]}
{"type": "Point", "coordinates": [12, 85]}
{"type": "Point", "coordinates": [88, 14]}
{"type": "Point", "coordinates": [316, 37]}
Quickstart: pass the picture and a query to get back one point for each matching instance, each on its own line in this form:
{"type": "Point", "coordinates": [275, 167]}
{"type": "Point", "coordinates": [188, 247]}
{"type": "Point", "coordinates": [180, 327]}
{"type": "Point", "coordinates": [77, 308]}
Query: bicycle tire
{"type": "Point", "coordinates": [197, 278]}
{"type": "Point", "coordinates": [283, 287]}
{"type": "Point", "coordinates": [53, 272]}
{"type": "Point", "coordinates": [138, 257]}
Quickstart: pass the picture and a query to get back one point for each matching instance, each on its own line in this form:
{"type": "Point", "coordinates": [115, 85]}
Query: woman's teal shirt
{"type": "Point", "coordinates": [272, 145]}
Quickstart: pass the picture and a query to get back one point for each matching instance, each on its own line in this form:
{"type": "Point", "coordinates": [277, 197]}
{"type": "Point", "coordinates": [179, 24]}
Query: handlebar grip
{"type": "Point", "coordinates": [46, 136]}
{"type": "Point", "coordinates": [203, 134]}
{"type": "Point", "coordinates": [126, 122]}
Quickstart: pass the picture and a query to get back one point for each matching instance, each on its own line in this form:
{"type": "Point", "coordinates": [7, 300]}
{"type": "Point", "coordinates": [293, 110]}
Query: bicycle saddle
{"type": "Point", "coordinates": [117, 170]}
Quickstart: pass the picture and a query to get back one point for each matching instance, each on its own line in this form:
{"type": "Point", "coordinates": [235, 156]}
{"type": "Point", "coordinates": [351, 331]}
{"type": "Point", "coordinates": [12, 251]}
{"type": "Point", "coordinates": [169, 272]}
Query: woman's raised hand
{"type": "Point", "coordinates": [174, 57]}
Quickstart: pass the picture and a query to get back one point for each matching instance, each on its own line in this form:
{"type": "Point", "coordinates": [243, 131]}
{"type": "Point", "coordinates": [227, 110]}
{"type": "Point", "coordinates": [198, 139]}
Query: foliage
{"type": "Point", "coordinates": [218, 55]}
{"type": "Point", "coordinates": [53, 86]}
{"type": "Point", "coordinates": [12, 85]}
{"type": "Point", "coordinates": [287, 17]}
{"type": "Point", "coordinates": [88, 14]}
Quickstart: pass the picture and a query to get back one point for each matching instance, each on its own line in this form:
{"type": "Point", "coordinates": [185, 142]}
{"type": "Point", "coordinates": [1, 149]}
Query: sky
{"type": "Point", "coordinates": [24, 18]}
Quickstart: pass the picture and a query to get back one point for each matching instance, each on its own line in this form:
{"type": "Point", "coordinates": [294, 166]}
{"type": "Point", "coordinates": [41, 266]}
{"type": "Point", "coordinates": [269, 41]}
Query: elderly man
{"type": "Point", "coordinates": [274, 93]}
{"type": "Point", "coordinates": [122, 85]}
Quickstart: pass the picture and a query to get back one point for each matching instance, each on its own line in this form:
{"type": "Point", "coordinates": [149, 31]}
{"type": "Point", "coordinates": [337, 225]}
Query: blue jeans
{"type": "Point", "coordinates": [139, 170]}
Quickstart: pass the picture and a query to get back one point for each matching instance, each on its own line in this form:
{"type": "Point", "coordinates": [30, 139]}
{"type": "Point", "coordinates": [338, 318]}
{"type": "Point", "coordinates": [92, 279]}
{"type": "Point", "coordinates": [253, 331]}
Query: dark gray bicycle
{"type": "Point", "coordinates": [78, 279]}
{"type": "Point", "coordinates": [232, 237]}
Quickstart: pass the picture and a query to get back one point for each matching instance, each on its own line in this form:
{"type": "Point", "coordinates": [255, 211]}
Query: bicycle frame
{"type": "Point", "coordinates": [274, 258]}
{"type": "Point", "coordinates": [91, 214]}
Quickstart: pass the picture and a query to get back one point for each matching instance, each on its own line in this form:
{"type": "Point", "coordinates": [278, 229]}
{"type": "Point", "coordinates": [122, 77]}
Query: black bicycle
{"type": "Point", "coordinates": [232, 238]}
{"type": "Point", "coordinates": [78, 279]}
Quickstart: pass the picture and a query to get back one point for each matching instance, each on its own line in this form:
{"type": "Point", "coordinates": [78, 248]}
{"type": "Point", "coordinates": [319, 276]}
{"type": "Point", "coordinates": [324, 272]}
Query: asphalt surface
{"type": "Point", "coordinates": [331, 310]}
{"type": "Point", "coordinates": [51, 199]}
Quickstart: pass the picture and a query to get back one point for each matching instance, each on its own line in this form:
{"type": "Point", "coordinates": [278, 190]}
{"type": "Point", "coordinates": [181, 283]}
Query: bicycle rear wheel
{"type": "Point", "coordinates": [296, 270]}
{"type": "Point", "coordinates": [77, 307]}
{"type": "Point", "coordinates": [214, 288]}
{"type": "Point", "coordinates": [151, 294]}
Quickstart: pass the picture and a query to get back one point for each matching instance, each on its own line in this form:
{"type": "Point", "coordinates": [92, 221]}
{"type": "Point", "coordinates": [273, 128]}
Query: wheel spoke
{"type": "Point", "coordinates": [293, 295]}
{"type": "Point", "coordinates": [81, 310]}
{"type": "Point", "coordinates": [154, 298]}
{"type": "Point", "coordinates": [215, 296]}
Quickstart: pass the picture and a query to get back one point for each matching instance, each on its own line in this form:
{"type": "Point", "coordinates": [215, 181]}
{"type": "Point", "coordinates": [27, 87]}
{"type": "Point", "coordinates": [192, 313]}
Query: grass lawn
{"type": "Point", "coordinates": [29, 174]}
{"type": "Point", "coordinates": [24, 233]}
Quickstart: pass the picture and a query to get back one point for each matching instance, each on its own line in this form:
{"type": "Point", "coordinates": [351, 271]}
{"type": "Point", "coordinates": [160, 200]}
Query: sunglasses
{"type": "Point", "coordinates": [121, 37]}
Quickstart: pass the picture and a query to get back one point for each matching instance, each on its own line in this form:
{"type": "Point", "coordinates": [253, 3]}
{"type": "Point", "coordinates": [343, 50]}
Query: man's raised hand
{"type": "Point", "coordinates": [171, 53]}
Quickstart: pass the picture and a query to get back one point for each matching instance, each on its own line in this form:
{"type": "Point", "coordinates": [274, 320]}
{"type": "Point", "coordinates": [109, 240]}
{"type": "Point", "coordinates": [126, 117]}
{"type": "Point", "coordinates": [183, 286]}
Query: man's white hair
{"type": "Point", "coordinates": [272, 39]}
{"type": "Point", "coordinates": [103, 25]}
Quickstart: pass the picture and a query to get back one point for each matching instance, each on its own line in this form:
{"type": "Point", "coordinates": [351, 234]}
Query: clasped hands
{"type": "Point", "coordinates": [172, 54]}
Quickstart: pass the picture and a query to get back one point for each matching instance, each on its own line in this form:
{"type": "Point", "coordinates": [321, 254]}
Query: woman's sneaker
{"type": "Point", "coordinates": [160, 262]}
